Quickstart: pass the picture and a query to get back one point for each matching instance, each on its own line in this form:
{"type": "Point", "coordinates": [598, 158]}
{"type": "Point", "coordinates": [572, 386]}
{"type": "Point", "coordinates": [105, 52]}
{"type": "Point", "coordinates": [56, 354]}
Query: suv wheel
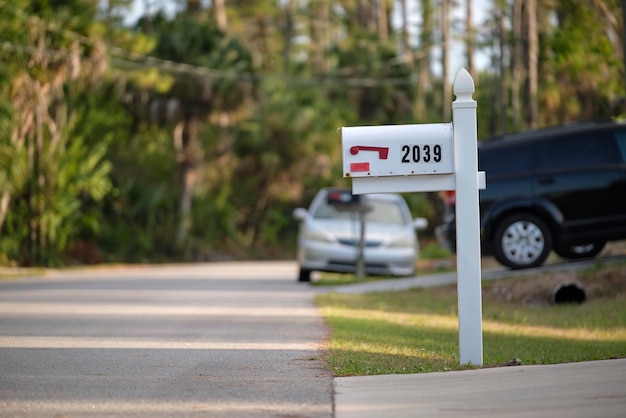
{"type": "Point", "coordinates": [305, 275]}
{"type": "Point", "coordinates": [581, 251]}
{"type": "Point", "coordinates": [522, 241]}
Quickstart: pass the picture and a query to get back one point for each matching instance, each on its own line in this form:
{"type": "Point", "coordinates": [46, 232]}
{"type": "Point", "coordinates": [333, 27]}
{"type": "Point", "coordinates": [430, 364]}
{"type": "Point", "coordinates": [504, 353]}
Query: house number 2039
{"type": "Point", "coordinates": [421, 153]}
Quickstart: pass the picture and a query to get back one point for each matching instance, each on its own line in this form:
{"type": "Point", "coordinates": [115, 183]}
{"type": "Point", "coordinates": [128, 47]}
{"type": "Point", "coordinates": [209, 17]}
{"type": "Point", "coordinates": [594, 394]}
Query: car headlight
{"type": "Point", "coordinates": [317, 235]}
{"type": "Point", "coordinates": [401, 242]}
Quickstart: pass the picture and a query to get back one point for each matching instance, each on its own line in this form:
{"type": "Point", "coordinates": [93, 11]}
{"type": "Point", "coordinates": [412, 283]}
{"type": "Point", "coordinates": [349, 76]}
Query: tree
{"type": "Point", "coordinates": [256, 25]}
{"type": "Point", "coordinates": [227, 111]}
{"type": "Point", "coordinates": [284, 151]}
{"type": "Point", "coordinates": [517, 67]}
{"type": "Point", "coordinates": [579, 75]}
{"type": "Point", "coordinates": [48, 69]}
{"type": "Point", "coordinates": [445, 47]}
{"type": "Point", "coordinates": [114, 10]}
{"type": "Point", "coordinates": [424, 61]}
{"type": "Point", "coordinates": [404, 33]}
{"type": "Point", "coordinates": [383, 24]}
{"type": "Point", "coordinates": [532, 53]}
{"type": "Point", "coordinates": [220, 15]}
{"type": "Point", "coordinates": [190, 40]}
{"type": "Point", "coordinates": [319, 11]}
{"type": "Point", "coordinates": [501, 97]}
{"type": "Point", "coordinates": [13, 157]}
{"type": "Point", "coordinates": [375, 94]}
{"type": "Point", "coordinates": [469, 37]}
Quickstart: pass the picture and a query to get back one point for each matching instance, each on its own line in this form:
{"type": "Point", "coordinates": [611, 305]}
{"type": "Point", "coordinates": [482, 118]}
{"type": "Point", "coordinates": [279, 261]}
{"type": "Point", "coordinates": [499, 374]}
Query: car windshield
{"type": "Point", "coordinates": [381, 211]}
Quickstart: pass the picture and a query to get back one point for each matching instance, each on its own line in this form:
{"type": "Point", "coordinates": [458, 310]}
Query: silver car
{"type": "Point", "coordinates": [330, 234]}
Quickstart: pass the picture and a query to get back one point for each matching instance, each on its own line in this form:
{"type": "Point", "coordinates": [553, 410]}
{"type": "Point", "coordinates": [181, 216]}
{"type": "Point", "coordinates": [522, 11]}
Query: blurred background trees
{"type": "Point", "coordinates": [190, 130]}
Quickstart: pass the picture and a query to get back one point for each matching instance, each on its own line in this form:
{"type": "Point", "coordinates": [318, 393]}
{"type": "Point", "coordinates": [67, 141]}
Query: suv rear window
{"type": "Point", "coordinates": [576, 151]}
{"type": "Point", "coordinates": [505, 160]}
{"type": "Point", "coordinates": [621, 142]}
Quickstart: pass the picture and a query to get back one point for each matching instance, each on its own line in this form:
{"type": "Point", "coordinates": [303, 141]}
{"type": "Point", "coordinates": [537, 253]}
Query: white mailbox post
{"type": "Point", "coordinates": [426, 158]}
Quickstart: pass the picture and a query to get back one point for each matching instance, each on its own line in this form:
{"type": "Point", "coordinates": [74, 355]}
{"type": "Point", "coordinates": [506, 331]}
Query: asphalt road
{"type": "Point", "coordinates": [232, 340]}
{"type": "Point", "coordinates": [218, 340]}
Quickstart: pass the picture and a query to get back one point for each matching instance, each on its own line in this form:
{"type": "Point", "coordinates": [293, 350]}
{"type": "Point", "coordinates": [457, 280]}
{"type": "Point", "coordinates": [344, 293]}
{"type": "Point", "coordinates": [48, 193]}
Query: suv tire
{"type": "Point", "coordinates": [304, 276]}
{"type": "Point", "coordinates": [522, 241]}
{"type": "Point", "coordinates": [581, 251]}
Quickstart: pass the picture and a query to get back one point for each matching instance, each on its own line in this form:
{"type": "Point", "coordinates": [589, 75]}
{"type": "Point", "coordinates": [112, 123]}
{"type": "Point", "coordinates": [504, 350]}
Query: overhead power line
{"type": "Point", "coordinates": [127, 60]}
{"type": "Point", "coordinates": [171, 67]}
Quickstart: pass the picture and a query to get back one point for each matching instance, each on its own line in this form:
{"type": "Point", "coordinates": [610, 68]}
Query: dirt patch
{"type": "Point", "coordinates": [537, 290]}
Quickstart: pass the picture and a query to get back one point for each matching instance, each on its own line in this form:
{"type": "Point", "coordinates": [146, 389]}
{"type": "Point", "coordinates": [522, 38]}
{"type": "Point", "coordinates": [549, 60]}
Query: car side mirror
{"type": "Point", "coordinates": [420, 223]}
{"type": "Point", "coordinates": [300, 214]}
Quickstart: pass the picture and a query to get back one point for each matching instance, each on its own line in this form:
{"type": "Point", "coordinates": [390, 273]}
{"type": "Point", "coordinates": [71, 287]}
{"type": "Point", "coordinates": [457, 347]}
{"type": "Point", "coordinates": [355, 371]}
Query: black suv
{"type": "Point", "coordinates": [561, 188]}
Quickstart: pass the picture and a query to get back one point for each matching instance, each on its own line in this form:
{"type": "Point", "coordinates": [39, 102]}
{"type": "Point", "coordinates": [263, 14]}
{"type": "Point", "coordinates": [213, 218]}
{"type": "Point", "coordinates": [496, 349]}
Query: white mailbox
{"type": "Point", "coordinates": [397, 150]}
{"type": "Point", "coordinates": [432, 157]}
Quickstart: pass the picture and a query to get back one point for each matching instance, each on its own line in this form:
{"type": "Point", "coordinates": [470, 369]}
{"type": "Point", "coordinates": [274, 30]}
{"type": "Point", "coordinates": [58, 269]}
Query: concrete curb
{"type": "Point", "coordinates": [586, 389]}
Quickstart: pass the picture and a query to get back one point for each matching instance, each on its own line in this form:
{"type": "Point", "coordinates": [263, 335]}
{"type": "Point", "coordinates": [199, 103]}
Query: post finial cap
{"type": "Point", "coordinates": [463, 83]}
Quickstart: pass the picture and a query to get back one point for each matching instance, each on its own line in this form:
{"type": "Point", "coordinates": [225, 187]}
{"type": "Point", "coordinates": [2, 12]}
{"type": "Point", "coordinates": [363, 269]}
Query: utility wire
{"type": "Point", "coordinates": [127, 60]}
{"type": "Point", "coordinates": [172, 67]}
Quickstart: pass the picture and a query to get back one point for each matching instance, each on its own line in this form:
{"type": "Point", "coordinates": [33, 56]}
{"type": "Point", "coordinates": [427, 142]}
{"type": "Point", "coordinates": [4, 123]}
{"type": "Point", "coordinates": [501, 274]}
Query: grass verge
{"type": "Point", "coordinates": [417, 331]}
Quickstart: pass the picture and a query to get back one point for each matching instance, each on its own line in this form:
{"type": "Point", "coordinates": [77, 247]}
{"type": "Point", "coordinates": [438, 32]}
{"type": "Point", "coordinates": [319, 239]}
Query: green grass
{"type": "Point", "coordinates": [432, 250]}
{"type": "Point", "coordinates": [338, 279]}
{"type": "Point", "coordinates": [8, 273]}
{"type": "Point", "coordinates": [417, 331]}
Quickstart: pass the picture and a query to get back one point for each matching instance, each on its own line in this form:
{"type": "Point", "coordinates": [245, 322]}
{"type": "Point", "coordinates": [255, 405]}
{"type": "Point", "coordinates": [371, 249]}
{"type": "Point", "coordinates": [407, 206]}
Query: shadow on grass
{"type": "Point", "coordinates": [366, 346]}
{"type": "Point", "coordinates": [362, 347]}
{"type": "Point", "coordinates": [499, 349]}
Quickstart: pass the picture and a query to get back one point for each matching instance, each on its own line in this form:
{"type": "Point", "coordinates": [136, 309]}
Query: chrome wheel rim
{"type": "Point", "coordinates": [523, 242]}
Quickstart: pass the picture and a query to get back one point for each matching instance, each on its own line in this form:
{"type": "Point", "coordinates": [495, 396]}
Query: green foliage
{"type": "Point", "coordinates": [81, 173]}
{"type": "Point", "coordinates": [51, 170]}
{"type": "Point", "coordinates": [141, 214]}
{"type": "Point", "coordinates": [581, 72]}
{"type": "Point", "coordinates": [74, 174]}
{"type": "Point", "coordinates": [189, 40]}
{"type": "Point", "coordinates": [289, 145]}
{"type": "Point", "coordinates": [434, 251]}
{"type": "Point", "coordinates": [13, 159]}
{"type": "Point", "coordinates": [385, 95]}
{"type": "Point", "coordinates": [269, 93]}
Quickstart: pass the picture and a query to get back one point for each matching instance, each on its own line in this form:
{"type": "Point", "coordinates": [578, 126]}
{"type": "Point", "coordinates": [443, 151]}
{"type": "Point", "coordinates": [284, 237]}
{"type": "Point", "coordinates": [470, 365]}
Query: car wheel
{"type": "Point", "coordinates": [304, 276]}
{"type": "Point", "coordinates": [581, 251]}
{"type": "Point", "coordinates": [522, 241]}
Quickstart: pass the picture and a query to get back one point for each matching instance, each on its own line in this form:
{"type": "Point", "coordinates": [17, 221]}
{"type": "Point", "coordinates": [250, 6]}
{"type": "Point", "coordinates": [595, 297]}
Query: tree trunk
{"type": "Point", "coordinates": [445, 37]}
{"type": "Point", "coordinates": [612, 23]}
{"type": "Point", "coordinates": [288, 34]}
{"type": "Point", "coordinates": [220, 14]}
{"type": "Point", "coordinates": [501, 98]}
{"type": "Point", "coordinates": [147, 17]}
{"type": "Point", "coordinates": [516, 65]}
{"type": "Point", "coordinates": [370, 11]}
{"type": "Point", "coordinates": [406, 45]}
{"type": "Point", "coordinates": [319, 27]}
{"type": "Point", "coordinates": [383, 29]}
{"type": "Point", "coordinates": [624, 43]}
{"type": "Point", "coordinates": [469, 40]}
{"type": "Point", "coordinates": [4, 207]}
{"type": "Point", "coordinates": [190, 161]}
{"type": "Point", "coordinates": [425, 46]}
{"type": "Point", "coordinates": [532, 54]}
{"type": "Point", "coordinates": [194, 6]}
